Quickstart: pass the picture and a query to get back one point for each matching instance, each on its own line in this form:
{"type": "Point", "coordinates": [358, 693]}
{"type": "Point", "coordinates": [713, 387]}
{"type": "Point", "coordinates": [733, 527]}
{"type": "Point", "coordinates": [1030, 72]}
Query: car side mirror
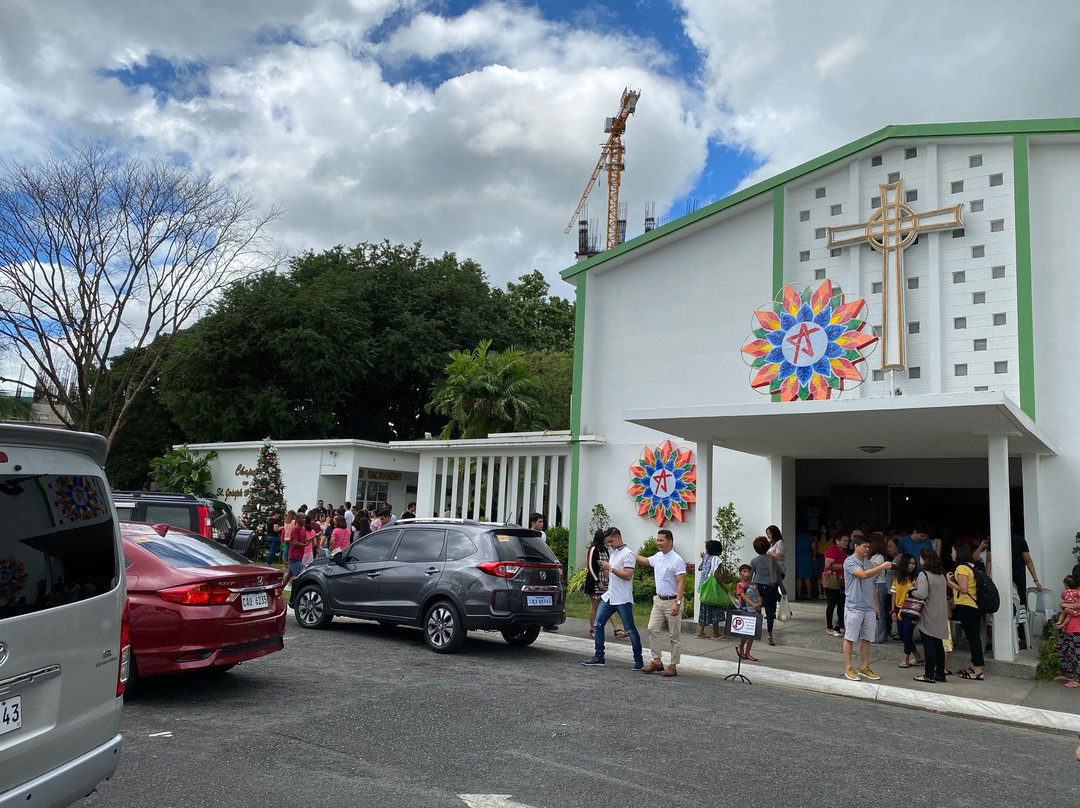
{"type": "Point", "coordinates": [338, 558]}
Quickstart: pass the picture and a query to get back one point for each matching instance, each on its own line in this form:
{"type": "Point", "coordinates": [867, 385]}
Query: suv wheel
{"type": "Point", "coordinates": [311, 609]}
{"type": "Point", "coordinates": [443, 631]}
{"type": "Point", "coordinates": [522, 636]}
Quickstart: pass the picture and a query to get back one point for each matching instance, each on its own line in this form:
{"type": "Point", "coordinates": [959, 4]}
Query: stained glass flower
{"type": "Point", "coordinates": [663, 483]}
{"type": "Point", "coordinates": [77, 498]}
{"type": "Point", "coordinates": [807, 344]}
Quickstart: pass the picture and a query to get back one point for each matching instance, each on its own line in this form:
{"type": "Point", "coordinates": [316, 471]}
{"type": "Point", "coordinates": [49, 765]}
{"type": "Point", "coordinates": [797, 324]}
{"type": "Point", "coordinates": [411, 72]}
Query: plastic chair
{"type": "Point", "coordinates": [1020, 619]}
{"type": "Point", "coordinates": [1046, 604]}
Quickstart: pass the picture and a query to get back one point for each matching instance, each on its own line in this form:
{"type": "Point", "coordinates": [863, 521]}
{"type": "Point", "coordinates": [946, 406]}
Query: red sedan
{"type": "Point", "coordinates": [194, 604]}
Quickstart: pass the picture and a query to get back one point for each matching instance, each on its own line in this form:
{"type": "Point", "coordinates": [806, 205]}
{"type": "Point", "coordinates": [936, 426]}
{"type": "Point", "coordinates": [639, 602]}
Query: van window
{"type": "Point", "coordinates": [58, 542]}
{"type": "Point", "coordinates": [186, 549]}
{"type": "Point", "coordinates": [178, 516]}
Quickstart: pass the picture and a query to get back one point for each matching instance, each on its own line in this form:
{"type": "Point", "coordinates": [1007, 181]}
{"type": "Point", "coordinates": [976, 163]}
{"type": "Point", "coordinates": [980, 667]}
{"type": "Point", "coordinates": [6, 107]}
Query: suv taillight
{"type": "Point", "coordinates": [124, 670]}
{"type": "Point", "coordinates": [500, 569]}
{"type": "Point", "coordinates": [197, 595]}
{"type": "Point", "coordinates": [205, 524]}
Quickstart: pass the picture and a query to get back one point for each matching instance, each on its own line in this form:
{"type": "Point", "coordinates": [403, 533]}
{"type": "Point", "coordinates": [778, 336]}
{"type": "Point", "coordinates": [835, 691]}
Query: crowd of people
{"type": "Point", "coordinates": [305, 534]}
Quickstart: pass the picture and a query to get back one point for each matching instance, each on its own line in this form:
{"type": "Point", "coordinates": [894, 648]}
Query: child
{"type": "Point", "coordinates": [902, 583]}
{"type": "Point", "coordinates": [749, 601]}
{"type": "Point", "coordinates": [1068, 623]}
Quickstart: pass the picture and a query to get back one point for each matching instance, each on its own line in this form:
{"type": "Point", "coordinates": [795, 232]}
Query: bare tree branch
{"type": "Point", "coordinates": [100, 252]}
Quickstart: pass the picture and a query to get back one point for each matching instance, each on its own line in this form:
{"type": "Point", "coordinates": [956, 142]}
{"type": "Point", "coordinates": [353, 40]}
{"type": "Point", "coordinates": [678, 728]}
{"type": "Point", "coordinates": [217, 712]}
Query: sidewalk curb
{"type": "Point", "coordinates": [997, 712]}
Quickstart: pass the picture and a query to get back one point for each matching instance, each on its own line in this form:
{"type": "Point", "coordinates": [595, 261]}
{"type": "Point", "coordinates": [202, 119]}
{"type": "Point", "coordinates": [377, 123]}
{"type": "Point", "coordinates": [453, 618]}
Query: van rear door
{"type": "Point", "coordinates": [61, 606]}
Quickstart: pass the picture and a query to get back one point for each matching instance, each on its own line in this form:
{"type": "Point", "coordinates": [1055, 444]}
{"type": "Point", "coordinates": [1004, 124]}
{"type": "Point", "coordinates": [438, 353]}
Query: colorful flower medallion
{"type": "Point", "coordinates": [77, 498]}
{"type": "Point", "coordinates": [663, 483]}
{"type": "Point", "coordinates": [807, 344]}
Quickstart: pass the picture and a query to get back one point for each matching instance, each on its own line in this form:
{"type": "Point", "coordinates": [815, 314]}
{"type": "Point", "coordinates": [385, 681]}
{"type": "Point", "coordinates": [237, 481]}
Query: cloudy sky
{"type": "Point", "coordinates": [473, 126]}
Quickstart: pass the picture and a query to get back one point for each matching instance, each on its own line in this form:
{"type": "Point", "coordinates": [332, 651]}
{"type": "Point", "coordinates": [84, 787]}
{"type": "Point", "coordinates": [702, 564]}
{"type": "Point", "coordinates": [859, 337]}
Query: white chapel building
{"type": "Point", "coordinates": [962, 241]}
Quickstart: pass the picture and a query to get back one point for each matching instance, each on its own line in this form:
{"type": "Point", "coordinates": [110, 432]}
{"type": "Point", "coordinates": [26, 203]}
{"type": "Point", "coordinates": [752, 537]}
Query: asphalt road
{"type": "Point", "coordinates": [362, 715]}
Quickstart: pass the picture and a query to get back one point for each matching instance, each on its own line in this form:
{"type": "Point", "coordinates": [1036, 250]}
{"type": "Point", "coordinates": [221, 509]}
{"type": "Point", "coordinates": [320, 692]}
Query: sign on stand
{"type": "Point", "coordinates": [744, 624]}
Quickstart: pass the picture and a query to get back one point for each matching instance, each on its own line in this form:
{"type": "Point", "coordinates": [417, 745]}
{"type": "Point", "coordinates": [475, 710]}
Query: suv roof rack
{"type": "Point", "coordinates": [157, 495]}
{"type": "Point", "coordinates": [450, 520]}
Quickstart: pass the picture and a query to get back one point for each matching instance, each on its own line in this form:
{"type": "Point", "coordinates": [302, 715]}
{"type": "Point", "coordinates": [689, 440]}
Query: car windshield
{"type": "Point", "coordinates": [525, 545]}
{"type": "Point", "coordinates": [183, 549]}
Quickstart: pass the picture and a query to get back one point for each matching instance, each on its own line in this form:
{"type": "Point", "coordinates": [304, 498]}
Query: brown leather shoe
{"type": "Point", "coordinates": [670, 671]}
{"type": "Point", "coordinates": [653, 667]}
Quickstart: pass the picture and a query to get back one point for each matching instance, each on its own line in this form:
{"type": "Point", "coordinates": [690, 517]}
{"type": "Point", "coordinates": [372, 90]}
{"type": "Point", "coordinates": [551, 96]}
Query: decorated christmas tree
{"type": "Point", "coordinates": [266, 494]}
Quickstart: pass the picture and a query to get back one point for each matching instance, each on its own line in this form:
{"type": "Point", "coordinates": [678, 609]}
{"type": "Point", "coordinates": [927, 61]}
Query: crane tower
{"type": "Point", "coordinates": [611, 158]}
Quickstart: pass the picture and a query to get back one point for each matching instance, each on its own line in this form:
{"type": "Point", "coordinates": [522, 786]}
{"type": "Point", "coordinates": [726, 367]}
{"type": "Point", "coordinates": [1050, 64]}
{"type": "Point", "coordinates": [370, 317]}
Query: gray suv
{"type": "Point", "coordinates": [445, 576]}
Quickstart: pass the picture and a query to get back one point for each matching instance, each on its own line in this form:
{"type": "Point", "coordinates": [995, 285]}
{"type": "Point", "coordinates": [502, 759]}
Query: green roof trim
{"type": "Point", "coordinates": [1025, 317]}
{"type": "Point", "coordinates": [895, 132]}
{"type": "Point", "coordinates": [575, 418]}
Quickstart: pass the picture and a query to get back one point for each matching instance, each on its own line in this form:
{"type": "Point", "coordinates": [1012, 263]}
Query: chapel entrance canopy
{"type": "Point", "coordinates": [925, 426]}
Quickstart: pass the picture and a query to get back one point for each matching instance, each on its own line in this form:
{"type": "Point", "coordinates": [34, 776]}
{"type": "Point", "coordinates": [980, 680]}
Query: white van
{"type": "Point", "coordinates": [63, 634]}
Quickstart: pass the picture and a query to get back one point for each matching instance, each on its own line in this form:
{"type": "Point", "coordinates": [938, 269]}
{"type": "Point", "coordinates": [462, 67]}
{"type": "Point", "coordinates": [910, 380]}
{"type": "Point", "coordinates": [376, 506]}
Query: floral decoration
{"type": "Point", "coordinates": [663, 483]}
{"type": "Point", "coordinates": [77, 498]}
{"type": "Point", "coordinates": [807, 344]}
{"type": "Point", "coordinates": [12, 576]}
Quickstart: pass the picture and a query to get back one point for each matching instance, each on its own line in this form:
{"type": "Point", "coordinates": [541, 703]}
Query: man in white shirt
{"type": "Point", "coordinates": [670, 570]}
{"type": "Point", "coordinates": [349, 516]}
{"type": "Point", "coordinates": [619, 597]}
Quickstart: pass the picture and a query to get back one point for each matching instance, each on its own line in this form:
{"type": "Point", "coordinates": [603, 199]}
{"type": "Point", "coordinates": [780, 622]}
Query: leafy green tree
{"type": "Point", "coordinates": [179, 471]}
{"type": "Point", "coordinates": [346, 343]}
{"type": "Point", "coordinates": [554, 372]}
{"type": "Point", "coordinates": [537, 321]}
{"type": "Point", "coordinates": [485, 391]}
{"type": "Point", "coordinates": [14, 407]}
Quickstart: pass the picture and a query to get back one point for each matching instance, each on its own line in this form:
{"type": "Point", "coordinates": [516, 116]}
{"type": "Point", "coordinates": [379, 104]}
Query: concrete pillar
{"type": "Point", "coordinates": [703, 508]}
{"type": "Point", "coordinates": [426, 495]}
{"type": "Point", "coordinates": [1001, 543]}
{"type": "Point", "coordinates": [782, 509]}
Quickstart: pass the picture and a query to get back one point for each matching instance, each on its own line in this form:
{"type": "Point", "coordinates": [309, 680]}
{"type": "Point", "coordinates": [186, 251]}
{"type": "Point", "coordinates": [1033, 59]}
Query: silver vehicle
{"type": "Point", "coordinates": [63, 634]}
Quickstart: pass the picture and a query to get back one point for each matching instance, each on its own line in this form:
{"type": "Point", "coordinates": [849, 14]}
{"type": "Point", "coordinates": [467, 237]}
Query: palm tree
{"type": "Point", "coordinates": [485, 391]}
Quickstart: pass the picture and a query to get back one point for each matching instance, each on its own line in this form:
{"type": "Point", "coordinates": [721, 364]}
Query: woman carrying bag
{"type": "Point", "coordinates": [713, 599]}
{"type": "Point", "coordinates": [931, 588]}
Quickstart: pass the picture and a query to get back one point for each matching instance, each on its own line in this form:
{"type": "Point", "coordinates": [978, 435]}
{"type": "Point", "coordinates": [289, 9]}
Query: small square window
{"type": "Point", "coordinates": [978, 345]}
{"type": "Point", "coordinates": [819, 274]}
{"type": "Point", "coordinates": [960, 370]}
{"type": "Point", "coordinates": [997, 225]}
{"type": "Point", "coordinates": [978, 297]}
{"type": "Point", "coordinates": [959, 322]}
{"type": "Point", "coordinates": [875, 201]}
{"type": "Point", "coordinates": [836, 210]}
{"type": "Point", "coordinates": [975, 161]}
{"type": "Point", "coordinates": [976, 205]}
{"type": "Point", "coordinates": [804, 215]}
{"type": "Point", "coordinates": [981, 388]}
{"type": "Point", "coordinates": [997, 179]}
{"type": "Point", "coordinates": [894, 176]}
{"type": "Point", "coordinates": [875, 160]}
{"type": "Point", "coordinates": [914, 373]}
{"type": "Point", "coordinates": [819, 232]}
{"type": "Point", "coordinates": [804, 256]}
{"type": "Point", "coordinates": [1000, 318]}
{"type": "Point", "coordinates": [835, 252]}
{"type": "Point", "coordinates": [958, 232]}
{"type": "Point", "coordinates": [997, 272]}
{"type": "Point", "coordinates": [914, 328]}
{"type": "Point", "coordinates": [912, 283]}
{"type": "Point", "coordinates": [959, 277]}
{"type": "Point", "coordinates": [957, 187]}
{"type": "Point", "coordinates": [911, 153]}
{"type": "Point", "coordinates": [819, 193]}
{"type": "Point", "coordinates": [879, 375]}
{"type": "Point", "coordinates": [1001, 367]}
{"type": "Point", "coordinates": [912, 195]}
{"type": "Point", "coordinates": [978, 251]}
{"type": "Point", "coordinates": [875, 288]}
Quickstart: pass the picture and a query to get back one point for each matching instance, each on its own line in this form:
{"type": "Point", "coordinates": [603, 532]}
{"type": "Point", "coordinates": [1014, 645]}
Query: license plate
{"type": "Point", "coordinates": [10, 714]}
{"type": "Point", "coordinates": [538, 600]}
{"type": "Point", "coordinates": [256, 600]}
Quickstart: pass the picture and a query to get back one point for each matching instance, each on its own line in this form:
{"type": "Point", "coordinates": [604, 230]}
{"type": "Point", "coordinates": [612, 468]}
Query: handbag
{"type": "Point", "coordinates": [713, 594]}
{"type": "Point", "coordinates": [830, 580]}
{"type": "Point", "coordinates": [912, 608]}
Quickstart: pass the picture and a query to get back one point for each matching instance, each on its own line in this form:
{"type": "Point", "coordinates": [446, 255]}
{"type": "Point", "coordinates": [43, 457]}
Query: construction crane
{"type": "Point", "coordinates": [611, 158]}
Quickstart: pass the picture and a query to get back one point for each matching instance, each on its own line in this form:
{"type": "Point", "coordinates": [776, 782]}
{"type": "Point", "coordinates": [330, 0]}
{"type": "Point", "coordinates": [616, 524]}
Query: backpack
{"type": "Point", "coordinates": [986, 594]}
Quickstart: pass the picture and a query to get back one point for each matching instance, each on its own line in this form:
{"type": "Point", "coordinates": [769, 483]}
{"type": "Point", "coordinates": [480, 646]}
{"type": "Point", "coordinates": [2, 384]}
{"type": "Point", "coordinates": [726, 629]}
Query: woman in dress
{"type": "Point", "coordinates": [931, 588]}
{"type": "Point", "coordinates": [820, 546]}
{"type": "Point", "coordinates": [710, 614]}
{"type": "Point", "coordinates": [776, 552]}
{"type": "Point", "coordinates": [596, 581]}
{"type": "Point", "coordinates": [766, 576]}
{"type": "Point", "coordinates": [962, 583]}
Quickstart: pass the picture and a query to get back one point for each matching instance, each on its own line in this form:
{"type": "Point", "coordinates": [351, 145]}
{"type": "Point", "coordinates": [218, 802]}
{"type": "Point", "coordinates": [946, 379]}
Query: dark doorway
{"type": "Point", "coordinates": [854, 504]}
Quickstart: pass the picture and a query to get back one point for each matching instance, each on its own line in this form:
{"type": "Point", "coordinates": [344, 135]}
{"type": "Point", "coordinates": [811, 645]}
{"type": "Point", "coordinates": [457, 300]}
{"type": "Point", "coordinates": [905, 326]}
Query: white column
{"type": "Point", "coordinates": [477, 488]}
{"type": "Point", "coordinates": [425, 486]}
{"type": "Point", "coordinates": [490, 487]}
{"type": "Point", "coordinates": [504, 498]}
{"type": "Point", "coordinates": [512, 500]}
{"type": "Point", "coordinates": [782, 505]}
{"type": "Point", "coordinates": [527, 491]}
{"type": "Point", "coordinates": [454, 501]}
{"type": "Point", "coordinates": [703, 510]}
{"type": "Point", "coordinates": [553, 491]}
{"type": "Point", "coordinates": [1032, 519]}
{"type": "Point", "coordinates": [1001, 544]}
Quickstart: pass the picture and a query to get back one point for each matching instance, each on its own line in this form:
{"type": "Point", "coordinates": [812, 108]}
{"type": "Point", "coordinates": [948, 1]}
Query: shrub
{"type": "Point", "coordinates": [727, 525]}
{"type": "Point", "coordinates": [558, 539]}
{"type": "Point", "coordinates": [599, 520]}
{"type": "Point", "coordinates": [576, 582]}
{"type": "Point", "coordinates": [1049, 661]}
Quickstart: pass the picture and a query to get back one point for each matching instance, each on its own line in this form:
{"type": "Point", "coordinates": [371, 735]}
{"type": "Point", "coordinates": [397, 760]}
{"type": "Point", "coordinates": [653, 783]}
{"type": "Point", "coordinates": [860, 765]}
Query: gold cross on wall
{"type": "Point", "coordinates": [889, 230]}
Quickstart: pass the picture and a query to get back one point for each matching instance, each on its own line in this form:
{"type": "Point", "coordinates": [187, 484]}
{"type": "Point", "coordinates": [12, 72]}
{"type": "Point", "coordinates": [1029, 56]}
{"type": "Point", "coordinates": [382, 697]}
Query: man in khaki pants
{"type": "Point", "coordinates": [670, 571]}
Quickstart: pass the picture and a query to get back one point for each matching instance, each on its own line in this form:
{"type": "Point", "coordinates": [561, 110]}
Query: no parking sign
{"type": "Point", "coordinates": [744, 624]}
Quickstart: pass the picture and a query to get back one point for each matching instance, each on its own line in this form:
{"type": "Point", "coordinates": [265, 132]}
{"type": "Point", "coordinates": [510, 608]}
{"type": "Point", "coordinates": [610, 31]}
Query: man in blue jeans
{"type": "Point", "coordinates": [618, 598]}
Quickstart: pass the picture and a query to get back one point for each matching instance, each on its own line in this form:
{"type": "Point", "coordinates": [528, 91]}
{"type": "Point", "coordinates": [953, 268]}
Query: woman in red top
{"type": "Point", "coordinates": [299, 541]}
{"type": "Point", "coordinates": [835, 557]}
